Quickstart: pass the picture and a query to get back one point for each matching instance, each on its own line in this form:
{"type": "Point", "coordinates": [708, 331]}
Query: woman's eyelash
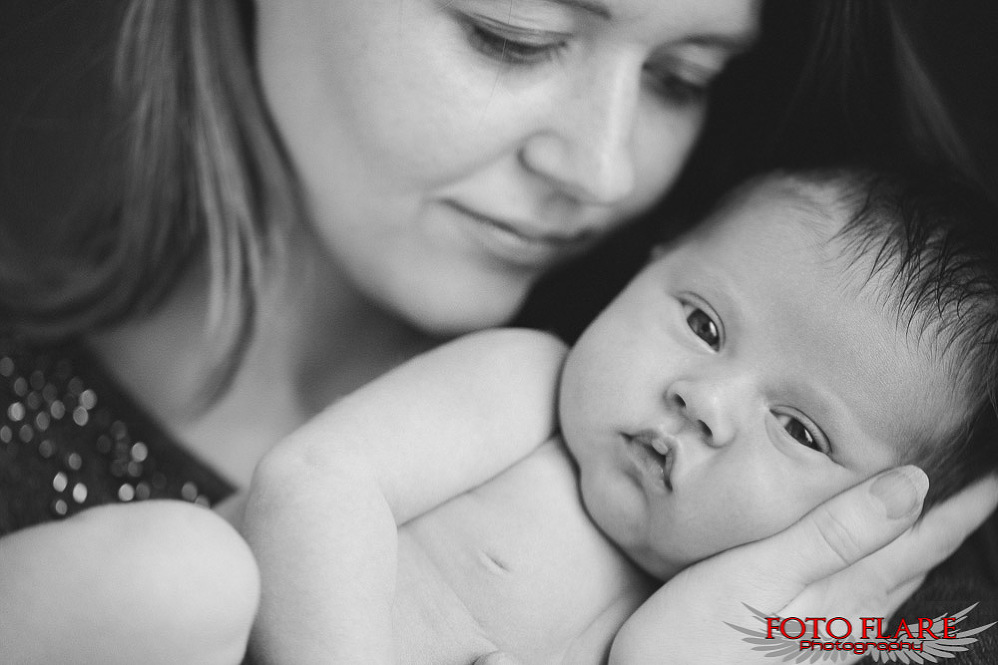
{"type": "Point", "coordinates": [512, 46]}
{"type": "Point", "coordinates": [681, 83]}
{"type": "Point", "coordinates": [678, 89]}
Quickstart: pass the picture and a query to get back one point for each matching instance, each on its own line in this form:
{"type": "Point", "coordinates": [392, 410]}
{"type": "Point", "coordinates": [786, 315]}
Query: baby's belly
{"type": "Point", "coordinates": [515, 565]}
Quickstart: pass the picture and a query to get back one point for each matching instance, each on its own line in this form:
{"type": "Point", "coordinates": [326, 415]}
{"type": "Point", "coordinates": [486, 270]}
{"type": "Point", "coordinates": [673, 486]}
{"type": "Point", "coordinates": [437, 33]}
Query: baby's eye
{"type": "Point", "coordinates": [805, 434]}
{"type": "Point", "coordinates": [703, 326]}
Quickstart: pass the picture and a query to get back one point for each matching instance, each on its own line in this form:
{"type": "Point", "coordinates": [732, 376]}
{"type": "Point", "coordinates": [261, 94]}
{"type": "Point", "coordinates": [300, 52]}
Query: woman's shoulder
{"type": "Point", "coordinates": [71, 438]}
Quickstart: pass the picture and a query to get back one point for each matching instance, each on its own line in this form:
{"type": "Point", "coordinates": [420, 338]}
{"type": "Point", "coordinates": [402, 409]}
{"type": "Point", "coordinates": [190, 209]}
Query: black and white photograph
{"type": "Point", "coordinates": [498, 332]}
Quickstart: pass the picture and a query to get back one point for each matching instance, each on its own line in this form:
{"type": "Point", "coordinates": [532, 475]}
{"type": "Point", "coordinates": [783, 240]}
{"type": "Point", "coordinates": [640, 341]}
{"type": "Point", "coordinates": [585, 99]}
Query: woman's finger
{"type": "Point", "coordinates": [497, 658]}
{"type": "Point", "coordinates": [919, 549]}
{"type": "Point", "coordinates": [706, 602]}
{"type": "Point", "coordinates": [843, 530]}
{"type": "Point", "coordinates": [879, 583]}
{"type": "Point", "coordinates": [941, 531]}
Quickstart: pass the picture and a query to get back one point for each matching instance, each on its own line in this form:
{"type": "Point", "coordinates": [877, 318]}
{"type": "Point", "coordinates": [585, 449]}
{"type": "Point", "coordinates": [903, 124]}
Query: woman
{"type": "Point", "coordinates": [326, 188]}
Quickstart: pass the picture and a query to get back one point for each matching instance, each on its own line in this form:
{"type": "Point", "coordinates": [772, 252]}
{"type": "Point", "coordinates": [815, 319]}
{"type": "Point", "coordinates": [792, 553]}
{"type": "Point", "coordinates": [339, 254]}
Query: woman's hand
{"type": "Point", "coordinates": [855, 555]}
{"type": "Point", "coordinates": [498, 658]}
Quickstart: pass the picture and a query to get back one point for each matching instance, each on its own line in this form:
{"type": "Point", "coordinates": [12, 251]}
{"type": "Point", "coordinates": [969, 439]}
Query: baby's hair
{"type": "Point", "coordinates": [934, 242]}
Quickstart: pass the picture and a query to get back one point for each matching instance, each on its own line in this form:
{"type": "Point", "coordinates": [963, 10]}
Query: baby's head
{"type": "Point", "coordinates": [814, 330]}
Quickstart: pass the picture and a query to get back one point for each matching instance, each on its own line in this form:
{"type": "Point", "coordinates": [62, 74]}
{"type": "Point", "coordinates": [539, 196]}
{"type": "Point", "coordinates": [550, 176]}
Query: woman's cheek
{"type": "Point", "coordinates": [663, 139]}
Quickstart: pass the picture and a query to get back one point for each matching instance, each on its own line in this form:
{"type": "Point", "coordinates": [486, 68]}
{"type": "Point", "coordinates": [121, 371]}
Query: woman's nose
{"type": "Point", "coordinates": [585, 147]}
{"type": "Point", "coordinates": [707, 406]}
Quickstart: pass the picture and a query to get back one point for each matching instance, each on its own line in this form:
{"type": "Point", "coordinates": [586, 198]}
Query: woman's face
{"type": "Point", "coordinates": [454, 150]}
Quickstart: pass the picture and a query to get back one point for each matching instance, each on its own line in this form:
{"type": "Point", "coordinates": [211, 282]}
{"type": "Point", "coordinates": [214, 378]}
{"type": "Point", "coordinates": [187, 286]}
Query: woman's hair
{"type": "Point", "coordinates": [193, 171]}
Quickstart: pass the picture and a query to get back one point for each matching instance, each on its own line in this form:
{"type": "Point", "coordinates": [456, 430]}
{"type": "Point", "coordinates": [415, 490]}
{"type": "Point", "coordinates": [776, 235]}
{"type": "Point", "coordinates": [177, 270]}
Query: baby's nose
{"type": "Point", "coordinates": [703, 406]}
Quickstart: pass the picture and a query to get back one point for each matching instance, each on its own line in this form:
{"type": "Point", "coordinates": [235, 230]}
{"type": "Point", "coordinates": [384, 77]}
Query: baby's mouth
{"type": "Point", "coordinates": [660, 450]}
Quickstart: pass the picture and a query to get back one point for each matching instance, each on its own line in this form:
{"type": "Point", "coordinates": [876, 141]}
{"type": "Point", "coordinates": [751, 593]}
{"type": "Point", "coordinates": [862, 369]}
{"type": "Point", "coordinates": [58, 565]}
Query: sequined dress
{"type": "Point", "coordinates": [71, 438]}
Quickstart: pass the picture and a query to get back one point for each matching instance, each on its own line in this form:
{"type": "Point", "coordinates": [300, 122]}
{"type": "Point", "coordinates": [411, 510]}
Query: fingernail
{"type": "Point", "coordinates": [900, 490]}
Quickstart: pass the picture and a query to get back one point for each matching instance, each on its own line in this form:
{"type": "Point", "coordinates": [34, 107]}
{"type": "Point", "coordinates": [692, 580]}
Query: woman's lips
{"type": "Point", "coordinates": [522, 243]}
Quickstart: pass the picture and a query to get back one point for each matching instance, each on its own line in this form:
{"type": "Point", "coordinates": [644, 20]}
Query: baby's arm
{"type": "Point", "coordinates": [325, 505]}
{"type": "Point", "coordinates": [156, 582]}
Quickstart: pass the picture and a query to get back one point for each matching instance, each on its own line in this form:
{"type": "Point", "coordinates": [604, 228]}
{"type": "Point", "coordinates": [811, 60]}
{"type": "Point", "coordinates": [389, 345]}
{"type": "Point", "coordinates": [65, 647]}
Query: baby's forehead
{"type": "Point", "coordinates": [819, 209]}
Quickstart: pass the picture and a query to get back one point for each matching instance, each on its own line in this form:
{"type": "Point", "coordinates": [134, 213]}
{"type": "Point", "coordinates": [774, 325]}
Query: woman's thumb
{"type": "Point", "coordinates": [498, 658]}
{"type": "Point", "coordinates": [852, 525]}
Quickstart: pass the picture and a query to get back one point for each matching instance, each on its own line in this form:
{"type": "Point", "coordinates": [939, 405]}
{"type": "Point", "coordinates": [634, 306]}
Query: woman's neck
{"type": "Point", "coordinates": [316, 339]}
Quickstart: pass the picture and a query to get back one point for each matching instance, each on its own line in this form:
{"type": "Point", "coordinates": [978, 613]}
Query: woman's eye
{"type": "Point", "coordinates": [680, 83]}
{"type": "Point", "coordinates": [680, 90]}
{"type": "Point", "coordinates": [513, 46]}
{"type": "Point", "coordinates": [809, 436]}
{"type": "Point", "coordinates": [703, 327]}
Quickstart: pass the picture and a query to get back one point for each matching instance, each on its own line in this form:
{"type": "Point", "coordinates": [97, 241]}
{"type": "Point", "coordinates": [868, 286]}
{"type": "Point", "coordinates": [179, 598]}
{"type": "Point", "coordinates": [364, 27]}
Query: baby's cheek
{"type": "Point", "coordinates": [745, 521]}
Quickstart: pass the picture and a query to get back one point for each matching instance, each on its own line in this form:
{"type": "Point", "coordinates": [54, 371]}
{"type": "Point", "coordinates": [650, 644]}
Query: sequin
{"type": "Point", "coordinates": [189, 491]}
{"type": "Point", "coordinates": [70, 438]}
{"type": "Point", "coordinates": [126, 492]}
{"type": "Point", "coordinates": [73, 461]}
{"type": "Point", "coordinates": [60, 508]}
{"type": "Point", "coordinates": [80, 416]}
{"type": "Point", "coordinates": [88, 399]}
{"type": "Point", "coordinates": [46, 448]}
{"type": "Point", "coordinates": [16, 412]}
{"type": "Point", "coordinates": [139, 451]}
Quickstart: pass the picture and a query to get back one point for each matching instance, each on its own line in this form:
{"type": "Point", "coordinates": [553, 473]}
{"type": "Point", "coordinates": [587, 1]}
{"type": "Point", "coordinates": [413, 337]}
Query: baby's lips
{"type": "Point", "coordinates": [664, 445]}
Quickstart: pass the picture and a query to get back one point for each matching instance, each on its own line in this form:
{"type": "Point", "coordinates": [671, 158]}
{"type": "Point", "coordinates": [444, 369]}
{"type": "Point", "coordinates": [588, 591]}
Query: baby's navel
{"type": "Point", "coordinates": [494, 563]}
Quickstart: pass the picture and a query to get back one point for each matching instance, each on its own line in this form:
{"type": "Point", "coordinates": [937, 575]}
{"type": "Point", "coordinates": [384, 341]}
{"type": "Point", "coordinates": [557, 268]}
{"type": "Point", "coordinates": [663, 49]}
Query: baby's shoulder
{"type": "Point", "coordinates": [548, 477]}
{"type": "Point", "coordinates": [512, 352]}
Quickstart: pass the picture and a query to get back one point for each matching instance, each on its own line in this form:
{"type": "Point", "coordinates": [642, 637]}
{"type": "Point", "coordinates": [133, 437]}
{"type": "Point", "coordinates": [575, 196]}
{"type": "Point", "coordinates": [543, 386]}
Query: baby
{"type": "Point", "coordinates": [816, 329]}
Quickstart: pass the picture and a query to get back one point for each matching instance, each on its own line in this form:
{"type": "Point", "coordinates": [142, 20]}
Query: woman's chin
{"type": "Point", "coordinates": [455, 313]}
